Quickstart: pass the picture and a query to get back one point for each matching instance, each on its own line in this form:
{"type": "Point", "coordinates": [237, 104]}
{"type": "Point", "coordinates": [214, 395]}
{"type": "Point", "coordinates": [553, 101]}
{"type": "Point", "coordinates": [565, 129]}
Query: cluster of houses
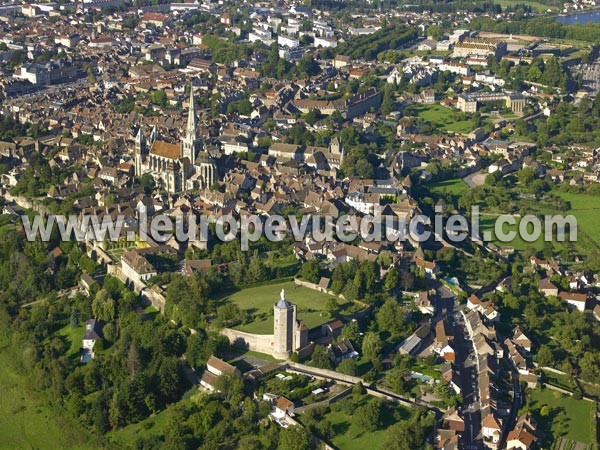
{"type": "Point", "coordinates": [489, 352]}
{"type": "Point", "coordinates": [579, 296]}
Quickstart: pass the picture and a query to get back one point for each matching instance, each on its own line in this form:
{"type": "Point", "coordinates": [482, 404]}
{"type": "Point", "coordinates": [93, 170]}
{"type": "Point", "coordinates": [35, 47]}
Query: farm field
{"type": "Point", "coordinates": [261, 299]}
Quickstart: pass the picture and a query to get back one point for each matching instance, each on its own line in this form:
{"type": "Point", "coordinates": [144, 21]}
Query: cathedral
{"type": "Point", "coordinates": [176, 167]}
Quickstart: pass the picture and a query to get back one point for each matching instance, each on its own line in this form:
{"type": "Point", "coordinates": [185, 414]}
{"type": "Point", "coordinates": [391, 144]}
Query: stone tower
{"type": "Point", "coordinates": [140, 150]}
{"type": "Point", "coordinates": [335, 146]}
{"type": "Point", "coordinates": [190, 144]}
{"type": "Point", "coordinates": [284, 319]}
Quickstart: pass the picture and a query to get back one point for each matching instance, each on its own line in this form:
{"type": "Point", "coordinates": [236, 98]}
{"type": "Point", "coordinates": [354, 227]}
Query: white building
{"type": "Point", "coordinates": [325, 42]}
{"type": "Point", "coordinates": [93, 333]}
{"type": "Point", "coordinates": [287, 41]}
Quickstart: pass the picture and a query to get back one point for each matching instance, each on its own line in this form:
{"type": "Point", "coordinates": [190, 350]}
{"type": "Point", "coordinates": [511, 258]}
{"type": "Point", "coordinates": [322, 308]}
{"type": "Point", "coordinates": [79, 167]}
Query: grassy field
{"type": "Point", "coordinates": [442, 118]}
{"type": "Point", "coordinates": [455, 186]}
{"type": "Point", "coordinates": [260, 300]}
{"type": "Point", "coordinates": [487, 223]}
{"type": "Point", "coordinates": [586, 208]}
{"type": "Point", "coordinates": [568, 418]}
{"type": "Point", "coordinates": [154, 426]}
{"type": "Point", "coordinates": [73, 336]}
{"type": "Point", "coordinates": [536, 6]}
{"type": "Point", "coordinates": [26, 422]}
{"type": "Point", "coordinates": [350, 437]}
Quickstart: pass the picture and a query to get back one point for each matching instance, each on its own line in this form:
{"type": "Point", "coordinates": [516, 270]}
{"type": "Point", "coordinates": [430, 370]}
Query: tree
{"type": "Point", "coordinates": [347, 366]}
{"type": "Point", "coordinates": [195, 352]}
{"type": "Point", "coordinates": [294, 438]}
{"type": "Point", "coordinates": [257, 271]}
{"type": "Point", "coordinates": [387, 103]}
{"type": "Point", "coordinates": [331, 305]}
{"type": "Point", "coordinates": [372, 345]}
{"type": "Point", "coordinates": [110, 332]}
{"type": "Point", "coordinates": [159, 97]}
{"type": "Point", "coordinates": [390, 317]}
{"type": "Point", "coordinates": [147, 182]}
{"type": "Point", "coordinates": [368, 417]}
{"type": "Point", "coordinates": [526, 175]}
{"type": "Point", "coordinates": [134, 363]}
{"type": "Point", "coordinates": [74, 320]}
{"type": "Point", "coordinates": [352, 332]}
{"type": "Point", "coordinates": [395, 380]}
{"type": "Point", "coordinates": [312, 117]}
{"type": "Point", "coordinates": [310, 271]}
{"type": "Point", "coordinates": [544, 356]}
{"type": "Point", "coordinates": [407, 280]}
{"type": "Point", "coordinates": [321, 357]}
{"type": "Point", "coordinates": [358, 390]}
{"type": "Point", "coordinates": [103, 306]}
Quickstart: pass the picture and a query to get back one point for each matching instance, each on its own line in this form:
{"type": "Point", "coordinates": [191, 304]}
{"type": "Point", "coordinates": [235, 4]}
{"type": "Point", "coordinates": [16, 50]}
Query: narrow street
{"type": "Point", "coordinates": [466, 364]}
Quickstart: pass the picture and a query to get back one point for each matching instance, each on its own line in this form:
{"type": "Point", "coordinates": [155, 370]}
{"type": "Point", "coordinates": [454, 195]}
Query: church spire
{"type": "Point", "coordinates": [191, 122]}
{"type": "Point", "coordinates": [190, 143]}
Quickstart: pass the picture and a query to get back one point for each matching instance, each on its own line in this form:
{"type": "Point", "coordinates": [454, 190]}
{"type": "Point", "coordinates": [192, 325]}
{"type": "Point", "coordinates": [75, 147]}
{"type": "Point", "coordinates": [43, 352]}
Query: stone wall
{"type": "Point", "coordinates": [329, 401]}
{"type": "Point", "coordinates": [316, 287]}
{"type": "Point", "coordinates": [262, 343]}
{"type": "Point", "coordinates": [148, 296]}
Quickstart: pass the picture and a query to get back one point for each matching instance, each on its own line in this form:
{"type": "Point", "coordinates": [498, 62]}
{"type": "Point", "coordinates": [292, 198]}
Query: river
{"type": "Point", "coordinates": [590, 16]}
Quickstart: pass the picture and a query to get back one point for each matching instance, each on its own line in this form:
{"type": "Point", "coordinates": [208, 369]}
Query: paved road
{"type": "Point", "coordinates": [516, 403]}
{"type": "Point", "coordinates": [465, 360]}
{"type": "Point", "coordinates": [467, 367]}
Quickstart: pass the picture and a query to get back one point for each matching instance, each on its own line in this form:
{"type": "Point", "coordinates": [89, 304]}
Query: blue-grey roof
{"type": "Point", "coordinates": [283, 304]}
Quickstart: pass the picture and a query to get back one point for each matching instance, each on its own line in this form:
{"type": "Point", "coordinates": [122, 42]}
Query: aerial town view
{"type": "Point", "coordinates": [300, 224]}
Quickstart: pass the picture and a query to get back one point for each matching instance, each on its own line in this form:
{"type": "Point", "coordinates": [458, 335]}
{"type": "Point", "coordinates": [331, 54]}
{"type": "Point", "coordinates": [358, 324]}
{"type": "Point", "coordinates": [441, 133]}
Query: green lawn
{"type": "Point", "coordinates": [568, 418]}
{"type": "Point", "coordinates": [487, 223]}
{"type": "Point", "coordinates": [348, 436]}
{"type": "Point", "coordinates": [73, 336]}
{"type": "Point", "coordinates": [26, 422]}
{"type": "Point", "coordinates": [154, 426]}
{"type": "Point", "coordinates": [536, 6]}
{"type": "Point", "coordinates": [455, 186]}
{"type": "Point", "coordinates": [261, 299]}
{"type": "Point", "coordinates": [441, 117]}
{"type": "Point", "coordinates": [586, 208]}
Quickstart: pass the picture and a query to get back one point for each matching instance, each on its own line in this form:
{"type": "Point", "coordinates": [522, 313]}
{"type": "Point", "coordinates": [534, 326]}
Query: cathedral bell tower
{"type": "Point", "coordinates": [191, 144]}
{"type": "Point", "coordinates": [139, 151]}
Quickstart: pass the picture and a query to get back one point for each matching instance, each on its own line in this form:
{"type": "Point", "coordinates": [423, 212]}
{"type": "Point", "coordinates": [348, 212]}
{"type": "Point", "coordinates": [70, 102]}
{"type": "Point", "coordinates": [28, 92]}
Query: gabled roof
{"type": "Point", "coordinates": [284, 404]}
{"type": "Point", "coordinates": [93, 330]}
{"type": "Point", "coordinates": [490, 422]}
{"type": "Point", "coordinates": [220, 365]}
{"type": "Point", "coordinates": [166, 150]}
